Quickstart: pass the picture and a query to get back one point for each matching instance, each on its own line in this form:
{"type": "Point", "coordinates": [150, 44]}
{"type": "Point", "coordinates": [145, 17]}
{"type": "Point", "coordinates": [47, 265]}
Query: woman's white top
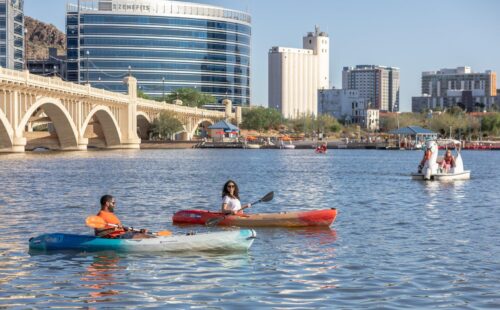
{"type": "Point", "coordinates": [233, 204]}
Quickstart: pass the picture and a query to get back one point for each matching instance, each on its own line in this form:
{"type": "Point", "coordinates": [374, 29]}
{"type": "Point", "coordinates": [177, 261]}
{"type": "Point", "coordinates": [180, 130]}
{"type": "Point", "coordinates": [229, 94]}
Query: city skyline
{"type": "Point", "coordinates": [413, 36]}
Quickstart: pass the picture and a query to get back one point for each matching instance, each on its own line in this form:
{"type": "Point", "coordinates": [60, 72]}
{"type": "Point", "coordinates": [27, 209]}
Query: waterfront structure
{"type": "Point", "coordinates": [349, 107]}
{"type": "Point", "coordinates": [376, 84]}
{"type": "Point", "coordinates": [459, 86]}
{"type": "Point", "coordinates": [12, 43]}
{"type": "Point", "coordinates": [54, 65]}
{"type": "Point", "coordinates": [413, 136]}
{"type": "Point", "coordinates": [223, 129]}
{"type": "Point", "coordinates": [83, 116]}
{"type": "Point", "coordinates": [165, 44]}
{"type": "Point", "coordinates": [295, 75]}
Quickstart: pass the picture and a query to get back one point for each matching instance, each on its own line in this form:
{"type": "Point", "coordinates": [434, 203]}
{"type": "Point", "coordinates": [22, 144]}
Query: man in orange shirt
{"type": "Point", "coordinates": [114, 228]}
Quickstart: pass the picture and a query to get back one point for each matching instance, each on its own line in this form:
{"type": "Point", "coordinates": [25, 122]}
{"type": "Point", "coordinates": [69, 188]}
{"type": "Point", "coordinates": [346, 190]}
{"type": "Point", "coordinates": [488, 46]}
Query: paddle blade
{"type": "Point", "coordinates": [95, 222]}
{"type": "Point", "coordinates": [268, 197]}
{"type": "Point", "coordinates": [164, 233]}
{"type": "Point", "coordinates": [214, 221]}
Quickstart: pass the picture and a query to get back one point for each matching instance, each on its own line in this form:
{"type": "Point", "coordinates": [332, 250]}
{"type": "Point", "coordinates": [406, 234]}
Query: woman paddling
{"type": "Point", "coordinates": [231, 199]}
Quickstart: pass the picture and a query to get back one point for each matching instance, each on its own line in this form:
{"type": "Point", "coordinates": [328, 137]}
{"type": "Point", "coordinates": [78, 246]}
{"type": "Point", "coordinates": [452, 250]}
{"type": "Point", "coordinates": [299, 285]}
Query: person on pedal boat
{"type": "Point", "coordinates": [114, 228]}
{"type": "Point", "coordinates": [231, 199]}
{"type": "Point", "coordinates": [448, 161]}
{"type": "Point", "coordinates": [427, 156]}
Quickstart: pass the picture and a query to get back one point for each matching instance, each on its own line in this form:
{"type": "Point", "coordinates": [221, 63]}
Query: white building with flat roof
{"type": "Point", "coordinates": [296, 75]}
{"type": "Point", "coordinates": [349, 107]}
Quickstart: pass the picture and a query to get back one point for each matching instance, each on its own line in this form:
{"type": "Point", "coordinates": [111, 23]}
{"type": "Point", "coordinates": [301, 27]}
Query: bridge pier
{"type": "Point", "coordinates": [82, 144]}
{"type": "Point", "coordinates": [18, 145]}
{"type": "Point", "coordinates": [131, 145]}
{"type": "Point", "coordinates": [130, 139]}
{"type": "Point", "coordinates": [186, 136]}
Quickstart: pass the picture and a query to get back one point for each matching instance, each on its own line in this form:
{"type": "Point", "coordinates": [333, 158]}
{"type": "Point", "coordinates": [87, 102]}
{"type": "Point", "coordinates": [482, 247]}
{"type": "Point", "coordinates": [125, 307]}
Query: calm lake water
{"type": "Point", "coordinates": [396, 243]}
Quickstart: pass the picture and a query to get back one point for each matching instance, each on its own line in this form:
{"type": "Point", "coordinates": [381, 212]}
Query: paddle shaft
{"type": "Point", "coordinates": [99, 223]}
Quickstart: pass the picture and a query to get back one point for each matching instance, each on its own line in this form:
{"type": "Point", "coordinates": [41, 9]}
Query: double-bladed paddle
{"type": "Point", "coordinates": [98, 222]}
{"type": "Point", "coordinates": [216, 220]}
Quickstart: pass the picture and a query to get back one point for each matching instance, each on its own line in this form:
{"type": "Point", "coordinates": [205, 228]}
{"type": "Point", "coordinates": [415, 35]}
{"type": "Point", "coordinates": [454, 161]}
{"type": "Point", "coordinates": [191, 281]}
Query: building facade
{"type": "Point", "coordinates": [349, 107]}
{"type": "Point", "coordinates": [12, 34]}
{"type": "Point", "coordinates": [377, 84]}
{"type": "Point", "coordinates": [296, 75]}
{"type": "Point", "coordinates": [165, 44]}
{"type": "Point", "coordinates": [459, 86]}
{"type": "Point", "coordinates": [54, 65]}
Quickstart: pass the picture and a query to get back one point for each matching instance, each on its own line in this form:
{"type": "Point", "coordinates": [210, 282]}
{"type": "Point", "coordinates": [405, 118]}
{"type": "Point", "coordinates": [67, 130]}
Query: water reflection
{"type": "Point", "coordinates": [100, 277]}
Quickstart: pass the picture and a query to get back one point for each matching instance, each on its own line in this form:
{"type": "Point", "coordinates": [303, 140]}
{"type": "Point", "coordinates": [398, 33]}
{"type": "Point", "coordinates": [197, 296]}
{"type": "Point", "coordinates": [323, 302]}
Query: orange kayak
{"type": "Point", "coordinates": [282, 219]}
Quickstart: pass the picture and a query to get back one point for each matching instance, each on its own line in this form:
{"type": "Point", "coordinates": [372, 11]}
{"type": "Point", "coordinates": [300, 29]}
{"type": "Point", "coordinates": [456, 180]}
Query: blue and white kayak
{"type": "Point", "coordinates": [235, 240]}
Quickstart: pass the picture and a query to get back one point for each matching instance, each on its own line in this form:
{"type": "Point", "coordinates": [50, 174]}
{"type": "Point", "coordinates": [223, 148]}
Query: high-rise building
{"type": "Point", "coordinates": [460, 86]}
{"type": "Point", "coordinates": [12, 34]}
{"type": "Point", "coordinates": [296, 75]}
{"type": "Point", "coordinates": [165, 44]}
{"type": "Point", "coordinates": [379, 85]}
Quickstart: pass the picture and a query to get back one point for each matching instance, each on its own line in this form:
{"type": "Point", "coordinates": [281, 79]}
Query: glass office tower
{"type": "Point", "coordinates": [12, 34]}
{"type": "Point", "coordinates": [165, 44]}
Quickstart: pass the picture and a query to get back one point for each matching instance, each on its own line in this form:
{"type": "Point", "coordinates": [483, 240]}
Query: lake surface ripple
{"type": "Point", "coordinates": [396, 243]}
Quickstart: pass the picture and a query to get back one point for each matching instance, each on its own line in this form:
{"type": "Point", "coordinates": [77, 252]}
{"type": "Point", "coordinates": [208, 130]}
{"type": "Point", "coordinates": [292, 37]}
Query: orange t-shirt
{"type": "Point", "coordinates": [427, 155]}
{"type": "Point", "coordinates": [110, 218]}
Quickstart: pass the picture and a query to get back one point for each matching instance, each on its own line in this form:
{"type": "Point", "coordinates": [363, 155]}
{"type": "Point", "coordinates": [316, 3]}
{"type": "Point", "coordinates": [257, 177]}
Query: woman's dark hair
{"type": "Point", "coordinates": [225, 191]}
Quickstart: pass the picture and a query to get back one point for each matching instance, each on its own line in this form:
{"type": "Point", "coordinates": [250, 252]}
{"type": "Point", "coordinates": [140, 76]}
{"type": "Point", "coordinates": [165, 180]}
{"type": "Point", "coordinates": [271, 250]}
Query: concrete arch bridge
{"type": "Point", "coordinates": [42, 111]}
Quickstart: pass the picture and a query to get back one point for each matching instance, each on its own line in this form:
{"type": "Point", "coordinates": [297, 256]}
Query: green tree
{"type": "Point", "coordinates": [491, 124]}
{"type": "Point", "coordinates": [327, 124]}
{"type": "Point", "coordinates": [444, 122]}
{"type": "Point", "coordinates": [166, 125]}
{"type": "Point", "coordinates": [190, 97]}
{"type": "Point", "coordinates": [392, 121]}
{"type": "Point", "coordinates": [260, 118]}
{"type": "Point", "coordinates": [143, 95]}
{"type": "Point", "coordinates": [455, 110]}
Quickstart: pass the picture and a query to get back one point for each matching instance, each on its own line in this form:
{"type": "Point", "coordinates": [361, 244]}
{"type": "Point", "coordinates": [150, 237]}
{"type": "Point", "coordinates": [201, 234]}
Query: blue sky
{"type": "Point", "coordinates": [416, 36]}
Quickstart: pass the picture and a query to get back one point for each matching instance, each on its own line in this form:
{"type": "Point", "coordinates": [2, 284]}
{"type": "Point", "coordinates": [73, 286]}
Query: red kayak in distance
{"type": "Point", "coordinates": [281, 219]}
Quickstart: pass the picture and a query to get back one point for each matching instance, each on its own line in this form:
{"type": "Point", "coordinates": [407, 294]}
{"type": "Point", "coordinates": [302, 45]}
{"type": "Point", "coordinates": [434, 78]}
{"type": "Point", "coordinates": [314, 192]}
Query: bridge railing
{"type": "Point", "coordinates": [56, 84]}
{"type": "Point", "coordinates": [180, 109]}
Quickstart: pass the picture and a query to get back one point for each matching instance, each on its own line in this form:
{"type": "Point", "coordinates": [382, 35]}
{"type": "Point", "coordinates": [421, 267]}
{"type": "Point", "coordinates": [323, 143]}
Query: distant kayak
{"type": "Point", "coordinates": [282, 219]}
{"type": "Point", "coordinates": [237, 240]}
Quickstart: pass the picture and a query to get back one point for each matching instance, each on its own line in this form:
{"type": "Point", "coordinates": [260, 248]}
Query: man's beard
{"type": "Point", "coordinates": [111, 209]}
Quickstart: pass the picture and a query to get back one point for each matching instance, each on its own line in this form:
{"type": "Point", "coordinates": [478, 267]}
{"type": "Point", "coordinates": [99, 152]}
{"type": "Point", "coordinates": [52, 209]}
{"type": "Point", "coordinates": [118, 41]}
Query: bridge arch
{"type": "Point", "coordinates": [6, 132]}
{"type": "Point", "coordinates": [109, 125]}
{"type": "Point", "coordinates": [145, 115]}
{"type": "Point", "coordinates": [64, 125]}
{"type": "Point", "coordinates": [200, 121]}
{"type": "Point", "coordinates": [143, 125]}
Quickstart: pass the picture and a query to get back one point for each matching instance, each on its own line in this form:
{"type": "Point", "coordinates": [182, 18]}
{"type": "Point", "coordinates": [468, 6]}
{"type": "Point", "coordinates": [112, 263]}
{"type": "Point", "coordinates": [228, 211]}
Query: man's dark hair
{"type": "Point", "coordinates": [106, 198]}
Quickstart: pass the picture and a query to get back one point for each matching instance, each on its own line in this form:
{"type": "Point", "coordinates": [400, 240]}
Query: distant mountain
{"type": "Point", "coordinates": [40, 36]}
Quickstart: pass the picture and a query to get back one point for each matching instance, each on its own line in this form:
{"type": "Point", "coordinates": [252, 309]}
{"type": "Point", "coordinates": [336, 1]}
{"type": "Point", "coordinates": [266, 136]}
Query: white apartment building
{"type": "Point", "coordinates": [349, 107]}
{"type": "Point", "coordinates": [296, 75]}
{"type": "Point", "coordinates": [377, 84]}
{"type": "Point", "coordinates": [459, 86]}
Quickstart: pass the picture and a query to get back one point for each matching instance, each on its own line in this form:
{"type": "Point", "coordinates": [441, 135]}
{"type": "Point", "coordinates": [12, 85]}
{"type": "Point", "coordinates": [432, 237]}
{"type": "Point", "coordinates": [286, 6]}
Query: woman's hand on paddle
{"type": "Point", "coordinates": [248, 205]}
